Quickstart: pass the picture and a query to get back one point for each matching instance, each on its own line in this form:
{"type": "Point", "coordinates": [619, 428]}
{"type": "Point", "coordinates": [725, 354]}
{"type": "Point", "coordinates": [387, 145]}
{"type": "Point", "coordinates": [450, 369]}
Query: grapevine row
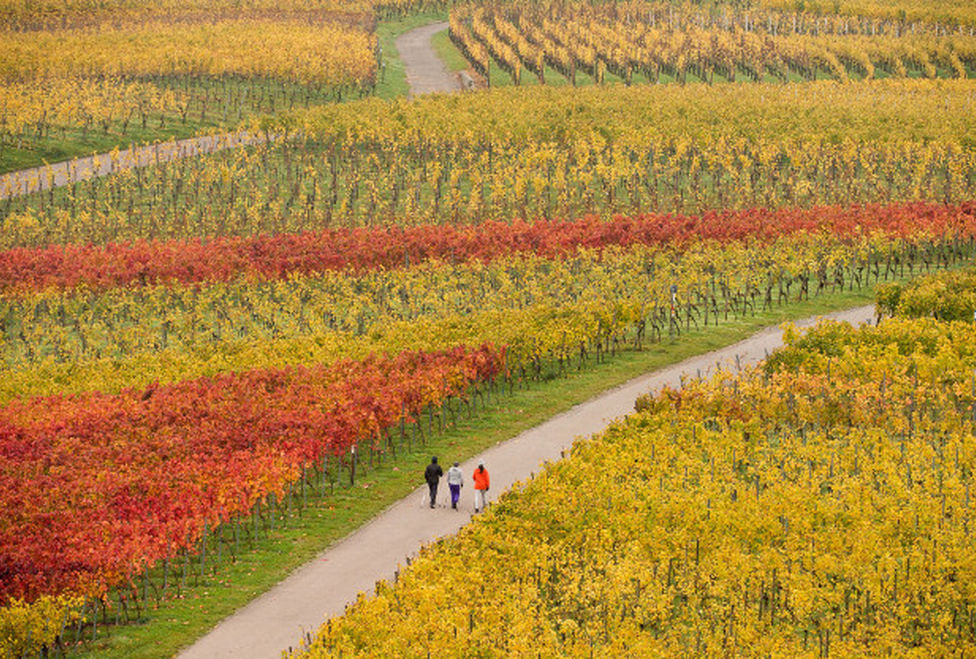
{"type": "Point", "coordinates": [631, 44]}
{"type": "Point", "coordinates": [816, 506]}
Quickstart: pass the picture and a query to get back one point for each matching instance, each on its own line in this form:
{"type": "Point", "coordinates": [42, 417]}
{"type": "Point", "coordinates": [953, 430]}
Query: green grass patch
{"type": "Point", "coordinates": [176, 623]}
{"type": "Point", "coordinates": [448, 52]}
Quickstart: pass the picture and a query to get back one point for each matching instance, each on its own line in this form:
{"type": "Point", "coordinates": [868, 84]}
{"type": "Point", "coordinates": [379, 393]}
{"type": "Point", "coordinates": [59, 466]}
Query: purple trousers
{"type": "Point", "coordinates": [455, 494]}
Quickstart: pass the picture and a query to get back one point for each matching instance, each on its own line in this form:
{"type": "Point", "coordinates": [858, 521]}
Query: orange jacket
{"type": "Point", "coordinates": [480, 479]}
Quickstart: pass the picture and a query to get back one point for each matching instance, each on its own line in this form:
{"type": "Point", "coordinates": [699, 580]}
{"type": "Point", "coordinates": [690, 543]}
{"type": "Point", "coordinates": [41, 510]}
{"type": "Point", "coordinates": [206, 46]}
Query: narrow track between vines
{"type": "Point", "coordinates": [322, 588]}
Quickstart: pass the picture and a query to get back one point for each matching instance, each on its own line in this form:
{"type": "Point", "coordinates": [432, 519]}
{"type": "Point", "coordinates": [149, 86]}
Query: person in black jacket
{"type": "Point", "coordinates": [433, 475]}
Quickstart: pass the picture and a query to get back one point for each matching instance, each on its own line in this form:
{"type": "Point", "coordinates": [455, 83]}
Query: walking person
{"type": "Point", "coordinates": [455, 481]}
{"type": "Point", "coordinates": [481, 483]}
{"type": "Point", "coordinates": [433, 475]}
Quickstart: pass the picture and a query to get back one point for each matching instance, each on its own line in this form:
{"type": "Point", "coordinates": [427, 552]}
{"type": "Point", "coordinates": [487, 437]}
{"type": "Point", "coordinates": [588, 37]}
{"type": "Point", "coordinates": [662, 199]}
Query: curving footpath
{"type": "Point", "coordinates": [322, 588]}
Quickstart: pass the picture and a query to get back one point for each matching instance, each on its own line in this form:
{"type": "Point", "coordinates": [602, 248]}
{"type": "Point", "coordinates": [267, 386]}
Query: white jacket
{"type": "Point", "coordinates": [454, 476]}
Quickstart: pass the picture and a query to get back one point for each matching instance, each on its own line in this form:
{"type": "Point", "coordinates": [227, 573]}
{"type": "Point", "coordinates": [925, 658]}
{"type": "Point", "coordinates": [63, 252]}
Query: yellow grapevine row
{"type": "Point", "coordinates": [76, 326]}
{"type": "Point", "coordinates": [382, 183]}
{"type": "Point", "coordinates": [306, 53]}
{"type": "Point", "coordinates": [53, 14]}
{"type": "Point", "coordinates": [42, 108]}
{"type": "Point", "coordinates": [26, 628]}
{"type": "Point", "coordinates": [534, 332]}
{"type": "Point", "coordinates": [628, 46]}
{"type": "Point", "coordinates": [779, 17]}
{"type": "Point", "coordinates": [815, 508]}
{"type": "Point", "coordinates": [215, 71]}
{"type": "Point", "coordinates": [502, 53]}
{"type": "Point", "coordinates": [950, 12]}
{"type": "Point", "coordinates": [472, 49]}
{"type": "Point", "coordinates": [892, 111]}
{"type": "Point", "coordinates": [76, 341]}
{"type": "Point", "coordinates": [949, 296]}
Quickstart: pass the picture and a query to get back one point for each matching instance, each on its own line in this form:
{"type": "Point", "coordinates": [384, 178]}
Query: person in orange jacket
{"type": "Point", "coordinates": [481, 483]}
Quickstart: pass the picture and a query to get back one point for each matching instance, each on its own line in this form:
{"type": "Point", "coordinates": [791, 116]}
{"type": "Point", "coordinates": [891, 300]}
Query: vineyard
{"type": "Point", "coordinates": [544, 153]}
{"type": "Point", "coordinates": [639, 42]}
{"type": "Point", "coordinates": [199, 352]}
{"type": "Point", "coordinates": [539, 298]}
{"type": "Point", "coordinates": [815, 506]}
{"type": "Point", "coordinates": [948, 296]}
{"type": "Point", "coordinates": [551, 292]}
{"type": "Point", "coordinates": [135, 72]}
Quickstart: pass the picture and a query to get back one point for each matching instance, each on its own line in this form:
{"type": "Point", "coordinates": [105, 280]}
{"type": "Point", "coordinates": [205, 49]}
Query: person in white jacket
{"type": "Point", "coordinates": [455, 480]}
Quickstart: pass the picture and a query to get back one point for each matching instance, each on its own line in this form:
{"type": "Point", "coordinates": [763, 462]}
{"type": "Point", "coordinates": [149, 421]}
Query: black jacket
{"type": "Point", "coordinates": [433, 473]}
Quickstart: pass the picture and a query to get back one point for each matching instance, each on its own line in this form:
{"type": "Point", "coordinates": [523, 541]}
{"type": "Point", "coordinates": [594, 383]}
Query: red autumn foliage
{"type": "Point", "coordinates": [276, 256]}
{"type": "Point", "coordinates": [95, 487]}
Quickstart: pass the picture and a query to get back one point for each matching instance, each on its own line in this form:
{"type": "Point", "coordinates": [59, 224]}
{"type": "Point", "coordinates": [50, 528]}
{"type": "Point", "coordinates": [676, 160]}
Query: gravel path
{"type": "Point", "coordinates": [323, 587]}
{"type": "Point", "coordinates": [425, 70]}
{"type": "Point", "coordinates": [59, 174]}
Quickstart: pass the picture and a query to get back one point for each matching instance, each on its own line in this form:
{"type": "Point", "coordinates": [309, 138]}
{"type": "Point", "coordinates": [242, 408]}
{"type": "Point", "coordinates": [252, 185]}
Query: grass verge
{"type": "Point", "coordinates": [446, 50]}
{"type": "Point", "coordinates": [176, 623]}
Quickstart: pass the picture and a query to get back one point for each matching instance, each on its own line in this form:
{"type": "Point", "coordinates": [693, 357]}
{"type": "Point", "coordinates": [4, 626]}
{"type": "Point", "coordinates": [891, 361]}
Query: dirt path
{"type": "Point", "coordinates": [59, 174]}
{"type": "Point", "coordinates": [426, 72]}
{"type": "Point", "coordinates": [323, 587]}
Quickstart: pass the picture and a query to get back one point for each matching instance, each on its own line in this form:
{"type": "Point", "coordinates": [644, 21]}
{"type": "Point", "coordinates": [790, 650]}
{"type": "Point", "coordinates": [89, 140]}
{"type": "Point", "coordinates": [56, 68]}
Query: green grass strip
{"type": "Point", "coordinates": [448, 52]}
